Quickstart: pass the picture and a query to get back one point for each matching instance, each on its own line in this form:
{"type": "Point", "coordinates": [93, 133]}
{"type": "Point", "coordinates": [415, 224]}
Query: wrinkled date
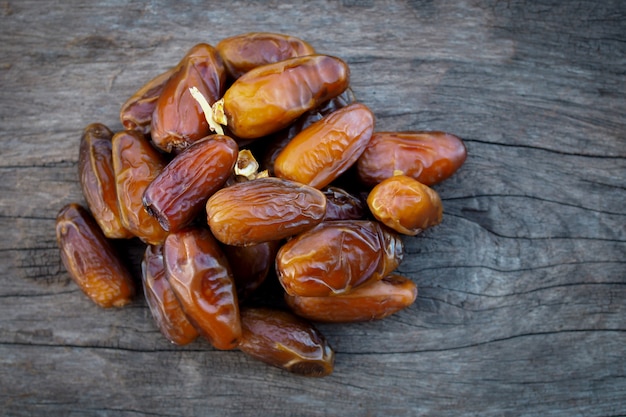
{"type": "Point", "coordinates": [263, 210]}
{"type": "Point", "coordinates": [405, 205]}
{"type": "Point", "coordinates": [270, 97]}
{"type": "Point", "coordinates": [178, 194]}
{"type": "Point", "coordinates": [256, 179]}
{"type": "Point", "coordinates": [200, 276]}
{"type": "Point", "coordinates": [178, 120]}
{"type": "Point", "coordinates": [91, 260]}
{"type": "Point", "coordinates": [247, 51]}
{"type": "Point", "coordinates": [337, 256]}
{"type": "Point", "coordinates": [97, 179]}
{"type": "Point", "coordinates": [327, 148]}
{"type": "Point", "coordinates": [136, 163]}
{"type": "Point", "coordinates": [166, 310]}
{"type": "Point", "coordinates": [429, 157]}
{"type": "Point", "coordinates": [373, 301]}
{"type": "Point", "coordinates": [284, 340]}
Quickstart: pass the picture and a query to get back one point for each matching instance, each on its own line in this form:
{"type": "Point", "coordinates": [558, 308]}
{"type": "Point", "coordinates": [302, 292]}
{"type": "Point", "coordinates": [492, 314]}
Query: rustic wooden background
{"type": "Point", "coordinates": [522, 303]}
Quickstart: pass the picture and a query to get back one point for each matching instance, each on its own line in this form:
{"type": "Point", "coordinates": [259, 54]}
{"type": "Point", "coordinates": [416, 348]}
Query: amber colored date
{"type": "Point", "coordinates": [91, 260]}
{"type": "Point", "coordinates": [327, 148]}
{"type": "Point", "coordinates": [262, 210]}
{"type": "Point", "coordinates": [136, 112]}
{"type": "Point", "coordinates": [270, 97]}
{"type": "Point", "coordinates": [178, 119]}
{"type": "Point", "coordinates": [373, 301]}
{"type": "Point", "coordinates": [250, 265]}
{"type": "Point", "coordinates": [165, 308]}
{"type": "Point", "coordinates": [341, 205]}
{"type": "Point", "coordinates": [246, 51]}
{"type": "Point", "coordinates": [286, 341]}
{"type": "Point", "coordinates": [429, 157]}
{"type": "Point", "coordinates": [200, 276]}
{"type": "Point", "coordinates": [337, 256]}
{"type": "Point", "coordinates": [136, 164]}
{"type": "Point", "coordinates": [97, 179]}
{"type": "Point", "coordinates": [178, 194]}
{"type": "Point", "coordinates": [405, 205]}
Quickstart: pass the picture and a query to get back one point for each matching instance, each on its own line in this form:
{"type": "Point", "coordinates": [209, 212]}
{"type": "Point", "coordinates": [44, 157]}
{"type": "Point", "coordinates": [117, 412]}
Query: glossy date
{"type": "Point", "coordinates": [286, 341]}
{"type": "Point", "coordinates": [91, 260]}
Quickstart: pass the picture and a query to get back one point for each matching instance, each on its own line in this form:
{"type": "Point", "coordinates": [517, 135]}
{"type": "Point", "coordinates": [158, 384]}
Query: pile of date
{"type": "Point", "coordinates": [264, 196]}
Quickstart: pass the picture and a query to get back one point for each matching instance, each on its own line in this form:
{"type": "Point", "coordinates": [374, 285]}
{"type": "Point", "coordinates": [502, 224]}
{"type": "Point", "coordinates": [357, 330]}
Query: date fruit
{"type": "Point", "coordinates": [373, 301]}
{"type": "Point", "coordinates": [178, 120]}
{"type": "Point", "coordinates": [97, 180]}
{"type": "Point", "coordinates": [405, 205]}
{"type": "Point", "coordinates": [263, 210]}
{"type": "Point", "coordinates": [429, 157]}
{"type": "Point", "coordinates": [200, 276]}
{"type": "Point", "coordinates": [250, 265]}
{"type": "Point", "coordinates": [91, 260]}
{"type": "Point", "coordinates": [136, 164]}
{"type": "Point", "coordinates": [178, 194]}
{"type": "Point", "coordinates": [327, 148]}
{"type": "Point", "coordinates": [281, 339]}
{"type": "Point", "coordinates": [337, 256]}
{"type": "Point", "coordinates": [244, 52]}
{"type": "Point", "coordinates": [165, 308]}
{"type": "Point", "coordinates": [341, 205]}
{"type": "Point", "coordinates": [270, 97]}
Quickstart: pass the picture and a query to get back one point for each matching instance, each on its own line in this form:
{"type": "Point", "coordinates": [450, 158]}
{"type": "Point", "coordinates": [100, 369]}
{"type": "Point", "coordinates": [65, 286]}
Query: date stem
{"type": "Point", "coordinates": [214, 125]}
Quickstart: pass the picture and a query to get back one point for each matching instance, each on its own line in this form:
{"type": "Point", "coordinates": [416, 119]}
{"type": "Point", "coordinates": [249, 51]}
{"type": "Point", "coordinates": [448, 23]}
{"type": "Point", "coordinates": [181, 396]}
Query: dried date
{"type": "Point", "coordinates": [286, 341]}
{"type": "Point", "coordinates": [263, 210]}
{"type": "Point", "coordinates": [91, 260]}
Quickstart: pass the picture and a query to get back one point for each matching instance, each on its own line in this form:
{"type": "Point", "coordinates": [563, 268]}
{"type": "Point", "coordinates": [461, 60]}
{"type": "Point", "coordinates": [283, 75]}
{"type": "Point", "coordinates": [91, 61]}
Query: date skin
{"type": "Point", "coordinates": [247, 51]}
{"type": "Point", "coordinates": [178, 119]}
{"type": "Point", "coordinates": [327, 148]}
{"type": "Point", "coordinates": [136, 164]}
{"type": "Point", "coordinates": [179, 193]}
{"type": "Point", "coordinates": [341, 205]}
{"type": "Point", "coordinates": [283, 340]}
{"type": "Point", "coordinates": [97, 179]}
{"type": "Point", "coordinates": [165, 308]}
{"type": "Point", "coordinates": [250, 265]}
{"type": "Point", "coordinates": [337, 256]}
{"type": "Point", "coordinates": [91, 260]}
{"type": "Point", "coordinates": [429, 157]}
{"type": "Point", "coordinates": [373, 301]}
{"type": "Point", "coordinates": [263, 210]}
{"type": "Point", "coordinates": [200, 276]}
{"type": "Point", "coordinates": [405, 205]}
{"type": "Point", "coordinates": [136, 112]}
{"type": "Point", "coordinates": [270, 97]}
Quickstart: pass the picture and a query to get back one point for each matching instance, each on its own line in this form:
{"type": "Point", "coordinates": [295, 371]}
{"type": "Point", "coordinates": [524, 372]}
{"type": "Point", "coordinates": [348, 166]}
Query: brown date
{"type": "Point", "coordinates": [178, 194]}
{"type": "Point", "coordinates": [200, 276]}
{"type": "Point", "coordinates": [373, 301]}
{"type": "Point", "coordinates": [91, 260]}
{"type": "Point", "coordinates": [246, 51]}
{"type": "Point", "coordinates": [165, 308]}
{"type": "Point", "coordinates": [136, 163]}
{"type": "Point", "coordinates": [178, 120]}
{"type": "Point", "coordinates": [281, 339]}
{"type": "Point", "coordinates": [263, 210]}
{"type": "Point", "coordinates": [327, 148]}
{"type": "Point", "coordinates": [429, 157]}
{"type": "Point", "coordinates": [405, 205]}
{"type": "Point", "coordinates": [97, 179]}
{"type": "Point", "coordinates": [337, 256]}
{"type": "Point", "coordinates": [341, 205]}
{"type": "Point", "coordinates": [136, 112]}
{"type": "Point", "coordinates": [270, 97]}
{"type": "Point", "coordinates": [250, 265]}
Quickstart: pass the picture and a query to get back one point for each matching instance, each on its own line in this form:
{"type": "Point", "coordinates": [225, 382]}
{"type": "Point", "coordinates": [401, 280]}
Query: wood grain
{"type": "Point", "coordinates": [521, 309]}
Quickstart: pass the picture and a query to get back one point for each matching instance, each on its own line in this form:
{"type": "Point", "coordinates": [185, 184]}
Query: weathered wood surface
{"type": "Point", "coordinates": [522, 304]}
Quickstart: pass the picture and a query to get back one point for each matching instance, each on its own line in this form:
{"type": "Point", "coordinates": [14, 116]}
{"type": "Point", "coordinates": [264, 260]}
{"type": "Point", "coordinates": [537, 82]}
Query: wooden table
{"type": "Point", "coordinates": [522, 302]}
